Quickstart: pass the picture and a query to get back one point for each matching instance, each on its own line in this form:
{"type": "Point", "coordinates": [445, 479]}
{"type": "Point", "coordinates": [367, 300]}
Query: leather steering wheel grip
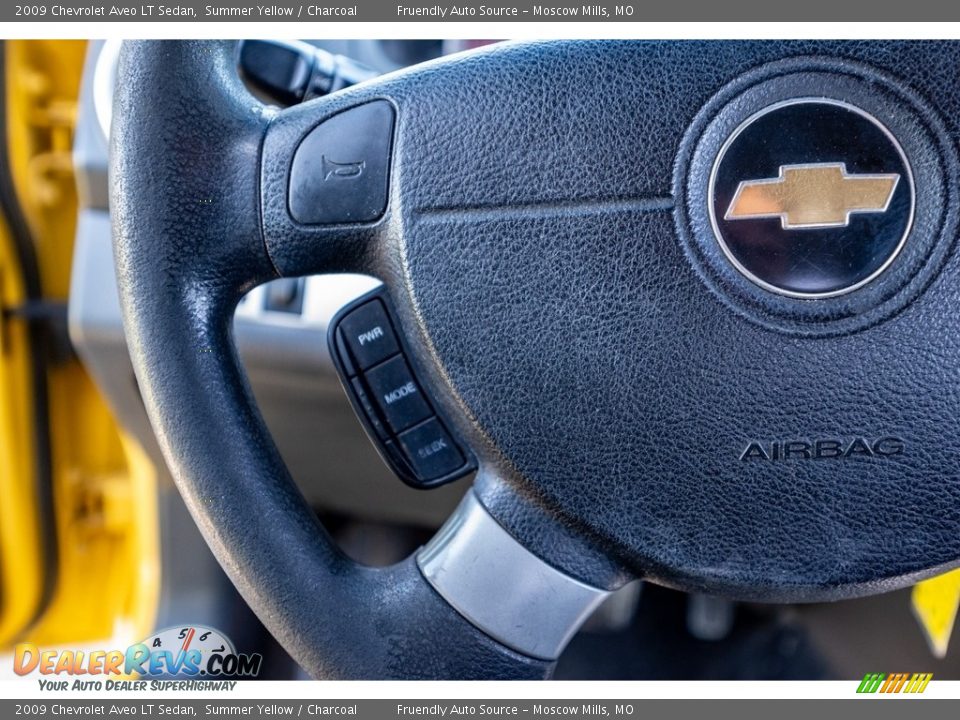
{"type": "Point", "coordinates": [185, 167]}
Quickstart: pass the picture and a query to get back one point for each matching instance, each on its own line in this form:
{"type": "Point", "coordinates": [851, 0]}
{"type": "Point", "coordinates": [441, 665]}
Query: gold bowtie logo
{"type": "Point", "coordinates": [812, 196]}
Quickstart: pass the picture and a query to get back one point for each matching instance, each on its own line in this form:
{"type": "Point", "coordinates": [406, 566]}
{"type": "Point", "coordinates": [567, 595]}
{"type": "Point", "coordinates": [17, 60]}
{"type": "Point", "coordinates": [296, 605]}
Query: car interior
{"type": "Point", "coordinates": [441, 372]}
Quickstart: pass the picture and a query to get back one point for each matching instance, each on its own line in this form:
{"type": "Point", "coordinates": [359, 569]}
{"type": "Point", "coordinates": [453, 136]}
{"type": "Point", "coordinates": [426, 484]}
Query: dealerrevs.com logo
{"type": "Point", "coordinates": [193, 651]}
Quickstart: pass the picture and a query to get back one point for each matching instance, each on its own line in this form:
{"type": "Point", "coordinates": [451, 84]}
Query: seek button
{"type": "Point", "coordinates": [430, 450]}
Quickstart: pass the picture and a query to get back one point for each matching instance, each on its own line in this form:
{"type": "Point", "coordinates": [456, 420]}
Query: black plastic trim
{"type": "Point", "coordinates": [388, 447]}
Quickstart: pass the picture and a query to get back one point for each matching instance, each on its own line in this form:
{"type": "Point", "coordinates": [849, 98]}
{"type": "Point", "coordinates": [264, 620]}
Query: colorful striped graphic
{"type": "Point", "coordinates": [894, 683]}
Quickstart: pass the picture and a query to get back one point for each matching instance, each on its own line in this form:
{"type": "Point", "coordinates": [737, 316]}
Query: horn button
{"type": "Point", "coordinates": [341, 169]}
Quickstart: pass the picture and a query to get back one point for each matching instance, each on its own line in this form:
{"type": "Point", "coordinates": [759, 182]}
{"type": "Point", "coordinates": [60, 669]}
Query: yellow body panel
{"type": "Point", "coordinates": [21, 559]}
{"type": "Point", "coordinates": [104, 486]}
{"type": "Point", "coordinates": [935, 602]}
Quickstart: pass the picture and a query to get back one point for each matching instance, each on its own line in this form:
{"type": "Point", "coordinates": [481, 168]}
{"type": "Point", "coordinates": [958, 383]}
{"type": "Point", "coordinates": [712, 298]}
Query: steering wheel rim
{"type": "Point", "coordinates": [199, 197]}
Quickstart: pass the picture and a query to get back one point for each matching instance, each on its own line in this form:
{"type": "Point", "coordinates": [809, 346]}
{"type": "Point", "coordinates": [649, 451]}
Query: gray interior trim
{"type": "Point", "coordinates": [503, 588]}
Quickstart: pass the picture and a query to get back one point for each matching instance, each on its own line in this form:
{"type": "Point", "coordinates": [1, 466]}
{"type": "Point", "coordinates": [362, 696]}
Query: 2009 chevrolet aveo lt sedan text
{"type": "Point", "coordinates": [688, 311]}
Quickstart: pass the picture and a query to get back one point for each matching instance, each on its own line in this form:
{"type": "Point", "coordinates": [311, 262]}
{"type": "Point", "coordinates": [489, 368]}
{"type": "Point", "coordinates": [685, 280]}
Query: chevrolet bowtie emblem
{"type": "Point", "coordinates": [812, 196]}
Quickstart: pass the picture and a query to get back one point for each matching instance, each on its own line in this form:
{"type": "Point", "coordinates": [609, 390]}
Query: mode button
{"type": "Point", "coordinates": [397, 394]}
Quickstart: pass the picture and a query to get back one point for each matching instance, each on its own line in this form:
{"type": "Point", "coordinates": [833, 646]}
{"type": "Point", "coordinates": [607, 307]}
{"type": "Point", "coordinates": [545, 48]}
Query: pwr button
{"type": "Point", "coordinates": [368, 335]}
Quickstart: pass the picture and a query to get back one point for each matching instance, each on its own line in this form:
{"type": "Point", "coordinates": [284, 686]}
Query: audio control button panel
{"type": "Point", "coordinates": [380, 380]}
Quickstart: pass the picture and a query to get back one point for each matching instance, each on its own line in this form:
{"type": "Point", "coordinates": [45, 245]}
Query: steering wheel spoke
{"type": "Point", "coordinates": [326, 179]}
{"type": "Point", "coordinates": [187, 224]}
{"type": "Point", "coordinates": [673, 356]}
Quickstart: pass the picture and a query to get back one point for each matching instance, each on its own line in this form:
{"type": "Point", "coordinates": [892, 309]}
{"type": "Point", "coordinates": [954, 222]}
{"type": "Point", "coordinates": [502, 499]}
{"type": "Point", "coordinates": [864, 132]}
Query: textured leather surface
{"type": "Point", "coordinates": [185, 207]}
{"type": "Point", "coordinates": [617, 385]}
{"type": "Point", "coordinates": [532, 246]}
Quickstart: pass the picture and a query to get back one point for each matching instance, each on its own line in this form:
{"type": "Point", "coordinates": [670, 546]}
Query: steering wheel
{"type": "Point", "coordinates": [693, 307]}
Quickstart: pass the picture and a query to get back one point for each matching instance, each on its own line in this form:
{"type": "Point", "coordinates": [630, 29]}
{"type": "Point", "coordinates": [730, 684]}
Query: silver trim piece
{"type": "Point", "coordinates": [501, 587]}
{"type": "Point", "coordinates": [716, 228]}
{"type": "Point", "coordinates": [104, 82]}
